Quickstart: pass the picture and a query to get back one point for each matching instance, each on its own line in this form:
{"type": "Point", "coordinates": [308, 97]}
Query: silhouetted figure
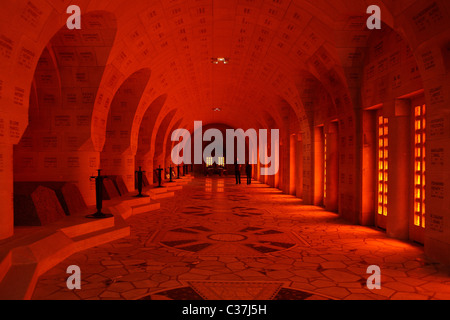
{"type": "Point", "coordinates": [99, 197]}
{"type": "Point", "coordinates": [248, 171]}
{"type": "Point", "coordinates": [237, 172]}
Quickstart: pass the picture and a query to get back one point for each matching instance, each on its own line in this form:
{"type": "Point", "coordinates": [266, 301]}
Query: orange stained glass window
{"type": "Point", "coordinates": [419, 166]}
{"type": "Point", "coordinates": [383, 154]}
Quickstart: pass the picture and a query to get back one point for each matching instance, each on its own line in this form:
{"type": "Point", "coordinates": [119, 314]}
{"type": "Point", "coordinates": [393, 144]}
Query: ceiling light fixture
{"type": "Point", "coordinates": [220, 60]}
{"type": "Point", "coordinates": [217, 109]}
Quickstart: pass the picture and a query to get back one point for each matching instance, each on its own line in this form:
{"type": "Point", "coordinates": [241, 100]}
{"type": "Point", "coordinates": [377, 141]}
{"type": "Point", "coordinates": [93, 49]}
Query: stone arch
{"type": "Point", "coordinates": [429, 44]}
{"type": "Point", "coordinates": [117, 157]}
{"type": "Point", "coordinates": [159, 134]}
{"type": "Point", "coordinates": [168, 145]}
{"type": "Point", "coordinates": [144, 157]}
{"type": "Point", "coordinates": [56, 143]}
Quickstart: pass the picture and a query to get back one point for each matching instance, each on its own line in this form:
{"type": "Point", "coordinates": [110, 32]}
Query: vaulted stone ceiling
{"type": "Point", "coordinates": [271, 46]}
{"type": "Point", "coordinates": [280, 51]}
{"type": "Point", "coordinates": [268, 44]}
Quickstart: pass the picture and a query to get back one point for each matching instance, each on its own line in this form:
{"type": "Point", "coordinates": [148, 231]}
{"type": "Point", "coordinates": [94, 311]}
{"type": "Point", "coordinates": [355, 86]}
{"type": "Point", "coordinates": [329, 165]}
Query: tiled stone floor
{"type": "Point", "coordinates": [216, 240]}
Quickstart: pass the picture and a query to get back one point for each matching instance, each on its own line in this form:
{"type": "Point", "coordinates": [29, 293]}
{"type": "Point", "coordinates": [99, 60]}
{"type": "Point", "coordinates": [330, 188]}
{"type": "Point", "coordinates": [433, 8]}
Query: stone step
{"type": "Point", "coordinates": [124, 208]}
{"type": "Point", "coordinates": [135, 201]}
{"type": "Point", "coordinates": [19, 282]}
{"type": "Point", "coordinates": [146, 208]}
{"type": "Point", "coordinates": [101, 237]}
{"type": "Point", "coordinates": [168, 183]}
{"type": "Point", "coordinates": [162, 195]}
{"type": "Point", "coordinates": [27, 263]}
{"type": "Point", "coordinates": [174, 188]}
{"type": "Point", "coordinates": [88, 227]}
{"type": "Point", "coordinates": [155, 190]}
{"type": "Point", "coordinates": [5, 264]}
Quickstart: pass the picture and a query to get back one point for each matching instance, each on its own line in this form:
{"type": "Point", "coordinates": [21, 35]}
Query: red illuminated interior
{"type": "Point", "coordinates": [87, 118]}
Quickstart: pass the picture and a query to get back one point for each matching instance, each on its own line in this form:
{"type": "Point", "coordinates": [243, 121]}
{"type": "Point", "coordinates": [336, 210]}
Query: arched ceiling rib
{"type": "Point", "coordinates": [267, 42]}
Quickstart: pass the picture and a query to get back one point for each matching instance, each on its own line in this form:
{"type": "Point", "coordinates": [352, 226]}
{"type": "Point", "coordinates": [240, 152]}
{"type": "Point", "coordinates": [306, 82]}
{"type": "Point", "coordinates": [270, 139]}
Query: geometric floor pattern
{"type": "Point", "coordinates": [232, 240]}
{"type": "Point", "coordinates": [237, 290]}
{"type": "Point", "coordinates": [216, 240]}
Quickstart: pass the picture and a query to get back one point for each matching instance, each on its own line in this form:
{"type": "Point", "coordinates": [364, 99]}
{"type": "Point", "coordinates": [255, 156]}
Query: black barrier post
{"type": "Point", "coordinates": [99, 197]}
{"type": "Point", "coordinates": [139, 177]}
{"type": "Point", "coordinates": [159, 170]}
{"type": "Point", "coordinates": [170, 172]}
{"type": "Point", "coordinates": [178, 172]}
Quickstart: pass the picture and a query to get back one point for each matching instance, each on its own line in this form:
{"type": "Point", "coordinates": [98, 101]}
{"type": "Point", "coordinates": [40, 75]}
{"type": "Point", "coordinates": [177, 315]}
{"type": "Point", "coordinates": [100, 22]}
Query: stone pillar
{"type": "Point", "coordinates": [332, 197]}
{"type": "Point", "coordinates": [276, 178]}
{"type": "Point", "coordinates": [285, 167]}
{"type": "Point", "coordinates": [397, 225]}
{"type": "Point", "coordinates": [292, 164]}
{"type": "Point", "coordinates": [307, 168]}
{"type": "Point", "coordinates": [299, 166]}
{"type": "Point", "coordinates": [148, 168]}
{"type": "Point", "coordinates": [437, 180]}
{"type": "Point", "coordinates": [257, 168]}
{"type": "Point", "coordinates": [318, 166]}
{"type": "Point", "coordinates": [368, 151]}
{"type": "Point", "coordinates": [6, 191]}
